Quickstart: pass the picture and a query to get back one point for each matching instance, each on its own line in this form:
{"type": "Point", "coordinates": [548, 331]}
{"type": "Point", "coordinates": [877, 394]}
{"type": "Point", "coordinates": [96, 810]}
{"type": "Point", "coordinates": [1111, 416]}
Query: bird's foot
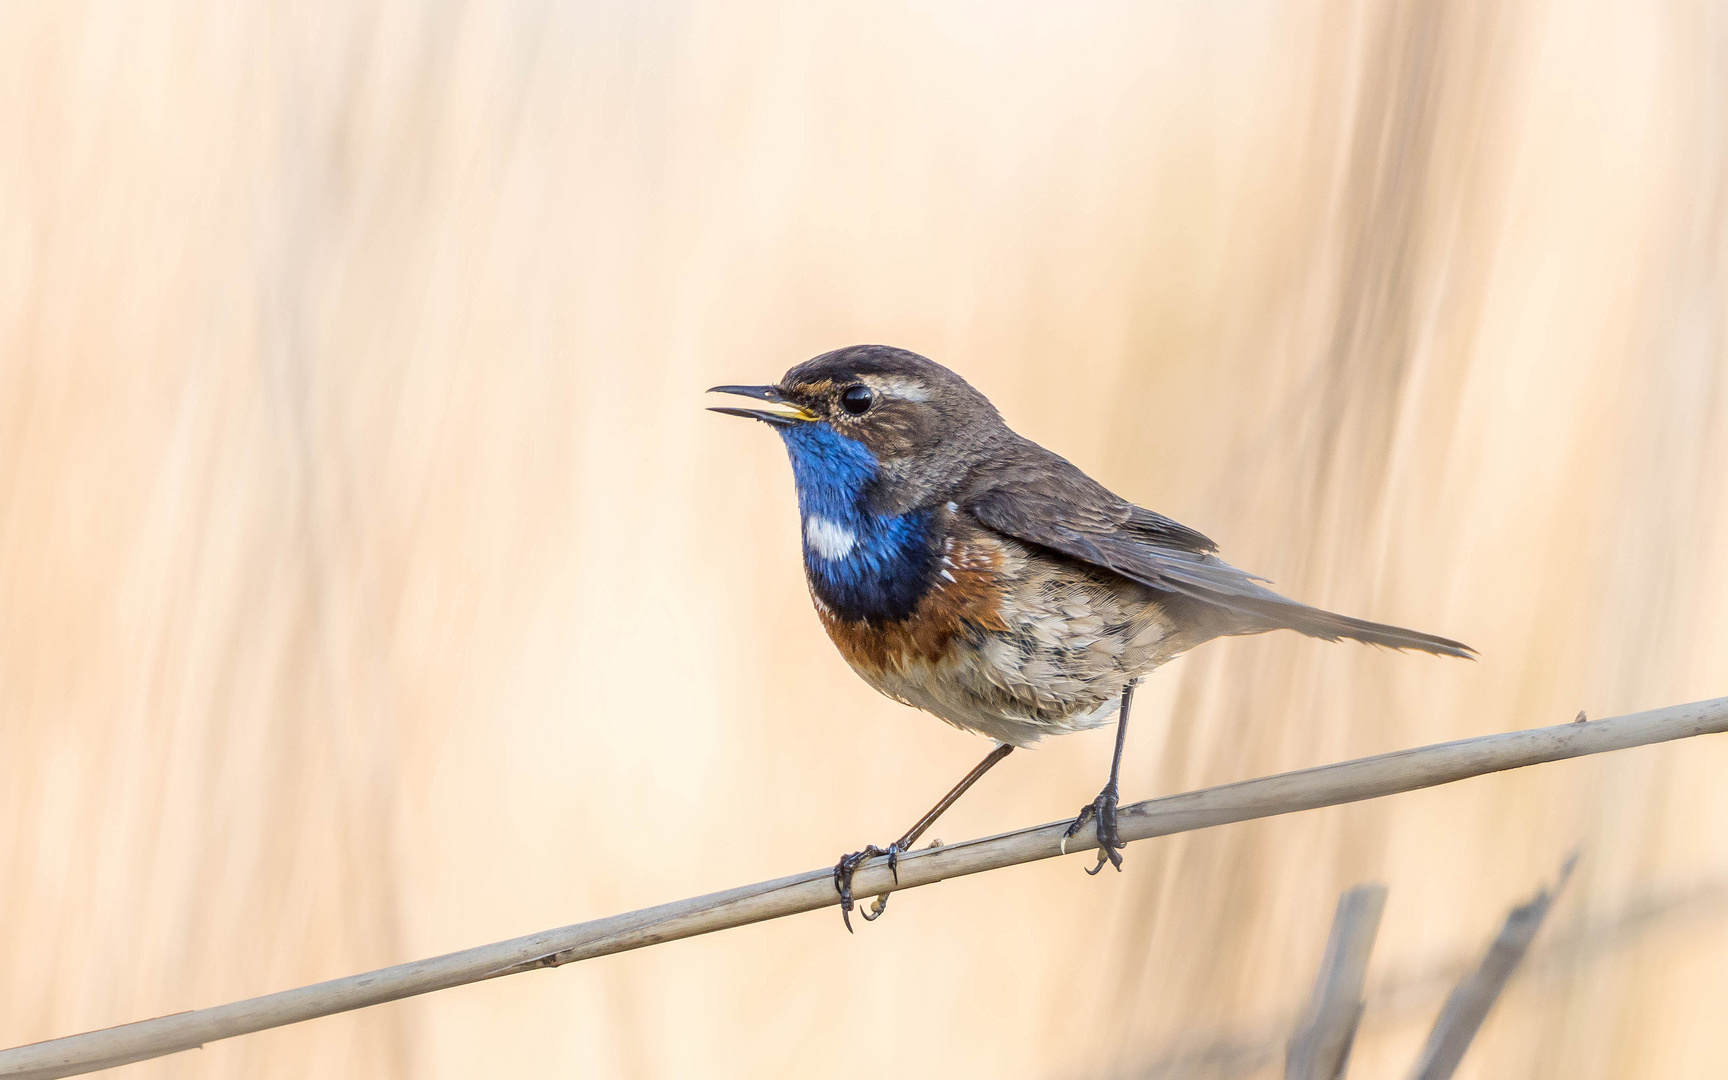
{"type": "Point", "coordinates": [1103, 810]}
{"type": "Point", "coordinates": [848, 865]}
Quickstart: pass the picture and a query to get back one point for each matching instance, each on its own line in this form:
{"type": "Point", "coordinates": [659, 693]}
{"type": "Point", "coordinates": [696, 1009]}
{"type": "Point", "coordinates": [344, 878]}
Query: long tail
{"type": "Point", "coordinates": [1331, 626]}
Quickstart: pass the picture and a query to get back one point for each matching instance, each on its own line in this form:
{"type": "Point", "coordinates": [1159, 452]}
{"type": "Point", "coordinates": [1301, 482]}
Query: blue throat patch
{"type": "Point", "coordinates": [864, 566]}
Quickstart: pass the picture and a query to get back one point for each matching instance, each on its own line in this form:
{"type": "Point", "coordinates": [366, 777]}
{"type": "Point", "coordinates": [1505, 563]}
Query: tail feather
{"type": "Point", "coordinates": [1331, 626]}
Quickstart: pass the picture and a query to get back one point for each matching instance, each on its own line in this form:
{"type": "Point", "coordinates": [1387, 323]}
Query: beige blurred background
{"type": "Point", "coordinates": [372, 583]}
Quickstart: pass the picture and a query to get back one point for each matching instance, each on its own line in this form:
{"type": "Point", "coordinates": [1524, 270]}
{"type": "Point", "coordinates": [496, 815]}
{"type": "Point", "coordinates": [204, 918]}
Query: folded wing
{"type": "Point", "coordinates": [1056, 506]}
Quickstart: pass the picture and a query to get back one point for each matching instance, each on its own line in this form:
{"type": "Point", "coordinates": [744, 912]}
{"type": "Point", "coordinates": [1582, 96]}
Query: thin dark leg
{"type": "Point", "coordinates": [1103, 808]}
{"type": "Point", "coordinates": [953, 796]}
{"type": "Point", "coordinates": [848, 865]}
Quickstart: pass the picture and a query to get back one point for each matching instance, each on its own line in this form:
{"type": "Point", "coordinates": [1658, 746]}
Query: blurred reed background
{"type": "Point", "coordinates": [372, 583]}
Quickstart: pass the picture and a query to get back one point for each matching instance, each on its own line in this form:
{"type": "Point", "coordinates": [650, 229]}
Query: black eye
{"type": "Point", "coordinates": [856, 399]}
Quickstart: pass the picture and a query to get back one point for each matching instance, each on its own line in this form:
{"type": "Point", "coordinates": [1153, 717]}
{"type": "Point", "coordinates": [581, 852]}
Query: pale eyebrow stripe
{"type": "Point", "coordinates": [899, 386]}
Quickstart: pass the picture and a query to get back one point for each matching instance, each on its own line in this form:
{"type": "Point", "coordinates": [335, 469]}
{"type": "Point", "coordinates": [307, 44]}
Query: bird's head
{"type": "Point", "coordinates": [877, 425]}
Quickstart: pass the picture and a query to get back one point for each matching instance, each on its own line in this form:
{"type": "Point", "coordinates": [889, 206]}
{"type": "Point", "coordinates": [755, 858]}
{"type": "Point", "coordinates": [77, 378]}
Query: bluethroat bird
{"type": "Point", "coordinates": [969, 572]}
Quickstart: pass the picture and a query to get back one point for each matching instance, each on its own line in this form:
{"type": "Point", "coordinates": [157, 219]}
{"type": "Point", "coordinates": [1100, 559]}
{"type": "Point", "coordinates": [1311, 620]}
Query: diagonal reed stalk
{"type": "Point", "coordinates": [1305, 789]}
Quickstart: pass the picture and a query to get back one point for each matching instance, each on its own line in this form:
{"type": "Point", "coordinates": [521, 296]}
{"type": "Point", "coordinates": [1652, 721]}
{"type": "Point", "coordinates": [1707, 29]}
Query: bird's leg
{"type": "Point", "coordinates": [849, 864]}
{"type": "Point", "coordinates": [1103, 808]}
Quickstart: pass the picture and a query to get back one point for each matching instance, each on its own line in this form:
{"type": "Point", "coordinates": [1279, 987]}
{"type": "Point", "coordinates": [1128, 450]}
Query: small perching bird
{"type": "Point", "coordinates": [969, 572]}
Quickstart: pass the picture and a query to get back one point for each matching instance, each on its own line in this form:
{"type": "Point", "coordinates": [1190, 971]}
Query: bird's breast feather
{"type": "Point", "coordinates": [963, 602]}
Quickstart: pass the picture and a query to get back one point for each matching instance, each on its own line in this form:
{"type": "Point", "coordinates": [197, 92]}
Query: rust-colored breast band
{"type": "Point", "coordinates": [965, 599]}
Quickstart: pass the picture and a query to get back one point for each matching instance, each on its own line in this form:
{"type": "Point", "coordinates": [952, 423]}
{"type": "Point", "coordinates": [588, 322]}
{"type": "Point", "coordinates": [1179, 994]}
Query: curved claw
{"type": "Point", "coordinates": [876, 909]}
{"type": "Point", "coordinates": [843, 886]}
{"type": "Point", "coordinates": [1086, 813]}
{"type": "Point", "coordinates": [1109, 855]}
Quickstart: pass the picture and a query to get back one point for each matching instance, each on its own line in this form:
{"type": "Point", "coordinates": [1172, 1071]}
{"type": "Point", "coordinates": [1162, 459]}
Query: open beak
{"type": "Point", "coordinates": [782, 413]}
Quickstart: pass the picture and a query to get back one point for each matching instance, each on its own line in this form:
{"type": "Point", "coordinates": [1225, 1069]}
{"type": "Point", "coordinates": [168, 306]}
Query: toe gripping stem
{"type": "Point", "coordinates": [848, 865]}
{"type": "Point", "coordinates": [1110, 843]}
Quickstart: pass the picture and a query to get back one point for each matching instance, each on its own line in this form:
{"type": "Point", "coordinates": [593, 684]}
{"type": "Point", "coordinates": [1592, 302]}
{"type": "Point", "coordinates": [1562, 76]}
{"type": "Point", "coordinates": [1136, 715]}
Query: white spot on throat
{"type": "Point", "coordinates": [829, 539]}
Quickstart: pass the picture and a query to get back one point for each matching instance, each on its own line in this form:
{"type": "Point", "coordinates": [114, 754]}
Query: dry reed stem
{"type": "Point", "coordinates": [1320, 1046]}
{"type": "Point", "coordinates": [1306, 789]}
{"type": "Point", "coordinates": [1468, 1004]}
